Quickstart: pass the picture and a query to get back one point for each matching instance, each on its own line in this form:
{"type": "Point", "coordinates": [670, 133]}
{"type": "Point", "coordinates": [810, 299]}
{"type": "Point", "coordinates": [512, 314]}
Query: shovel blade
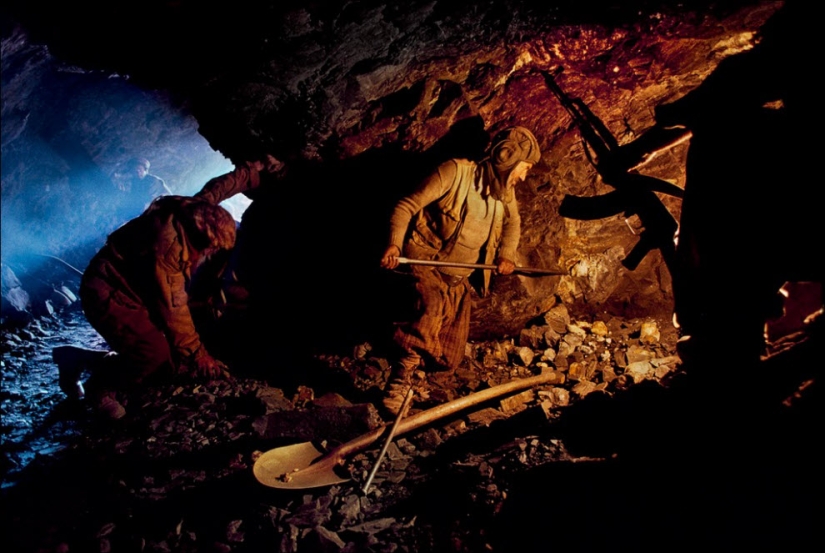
{"type": "Point", "coordinates": [292, 467]}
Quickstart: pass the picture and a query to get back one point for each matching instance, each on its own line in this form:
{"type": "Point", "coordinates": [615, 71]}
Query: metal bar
{"type": "Point", "coordinates": [434, 263]}
{"type": "Point", "coordinates": [401, 412]}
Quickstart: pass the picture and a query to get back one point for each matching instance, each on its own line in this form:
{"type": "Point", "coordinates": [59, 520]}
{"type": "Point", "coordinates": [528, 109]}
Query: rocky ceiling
{"type": "Point", "coordinates": [361, 98]}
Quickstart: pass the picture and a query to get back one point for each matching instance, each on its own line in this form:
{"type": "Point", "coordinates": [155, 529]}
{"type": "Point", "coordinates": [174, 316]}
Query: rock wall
{"type": "Point", "coordinates": [361, 100]}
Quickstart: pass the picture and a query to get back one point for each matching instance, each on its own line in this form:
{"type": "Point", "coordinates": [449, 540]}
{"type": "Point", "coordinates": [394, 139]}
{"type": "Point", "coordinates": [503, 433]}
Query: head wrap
{"type": "Point", "coordinates": [512, 145]}
{"type": "Point", "coordinates": [135, 161]}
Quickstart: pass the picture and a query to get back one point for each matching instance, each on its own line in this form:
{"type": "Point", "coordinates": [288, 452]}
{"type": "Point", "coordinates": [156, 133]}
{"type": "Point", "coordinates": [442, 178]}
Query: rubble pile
{"type": "Point", "coordinates": [596, 355]}
{"type": "Point", "coordinates": [175, 474]}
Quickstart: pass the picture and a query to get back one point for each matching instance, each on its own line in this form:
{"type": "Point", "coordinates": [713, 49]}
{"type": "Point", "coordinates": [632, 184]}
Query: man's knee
{"type": "Point", "coordinates": [148, 356]}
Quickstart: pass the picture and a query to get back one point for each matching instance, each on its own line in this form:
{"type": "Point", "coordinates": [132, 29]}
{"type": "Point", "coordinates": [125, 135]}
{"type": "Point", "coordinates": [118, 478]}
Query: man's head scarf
{"type": "Point", "coordinates": [510, 146]}
{"type": "Point", "coordinates": [139, 162]}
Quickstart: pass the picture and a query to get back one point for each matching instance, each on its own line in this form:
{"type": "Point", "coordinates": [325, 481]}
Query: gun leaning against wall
{"type": "Point", "coordinates": [634, 193]}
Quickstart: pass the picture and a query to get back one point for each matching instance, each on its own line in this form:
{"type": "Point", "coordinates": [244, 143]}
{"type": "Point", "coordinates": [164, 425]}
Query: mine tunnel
{"type": "Point", "coordinates": [646, 379]}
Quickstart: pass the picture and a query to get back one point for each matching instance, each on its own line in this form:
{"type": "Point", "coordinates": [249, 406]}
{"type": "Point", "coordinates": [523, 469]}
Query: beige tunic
{"type": "Point", "coordinates": [455, 197]}
{"type": "Point", "coordinates": [474, 233]}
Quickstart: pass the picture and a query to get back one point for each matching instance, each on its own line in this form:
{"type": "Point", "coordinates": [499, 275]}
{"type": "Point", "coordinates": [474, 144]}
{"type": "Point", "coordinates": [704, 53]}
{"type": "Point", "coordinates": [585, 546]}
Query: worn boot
{"type": "Point", "coordinates": [398, 384]}
{"type": "Point", "coordinates": [108, 406]}
{"type": "Point", "coordinates": [104, 390]}
{"type": "Point", "coordinates": [71, 362]}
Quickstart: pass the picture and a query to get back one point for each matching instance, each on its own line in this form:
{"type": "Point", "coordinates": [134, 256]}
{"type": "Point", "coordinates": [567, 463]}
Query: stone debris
{"type": "Point", "coordinates": [636, 353]}
{"type": "Point", "coordinates": [199, 440]}
{"type": "Point", "coordinates": [584, 387]}
{"type": "Point", "coordinates": [557, 318]}
{"type": "Point", "coordinates": [318, 422]}
{"type": "Point", "coordinates": [599, 328]}
{"type": "Point", "coordinates": [649, 333]}
{"type": "Point", "coordinates": [516, 403]}
{"type": "Point", "coordinates": [558, 397]}
{"type": "Point", "coordinates": [524, 356]}
{"type": "Point", "coordinates": [639, 370]}
{"type": "Point", "coordinates": [532, 337]}
{"type": "Point", "coordinates": [273, 400]}
{"type": "Point", "coordinates": [485, 416]}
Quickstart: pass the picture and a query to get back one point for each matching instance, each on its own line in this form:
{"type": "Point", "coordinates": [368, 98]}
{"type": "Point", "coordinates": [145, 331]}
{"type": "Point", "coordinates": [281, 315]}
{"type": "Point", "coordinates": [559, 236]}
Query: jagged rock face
{"type": "Point", "coordinates": [362, 99]}
{"type": "Point", "coordinates": [67, 132]}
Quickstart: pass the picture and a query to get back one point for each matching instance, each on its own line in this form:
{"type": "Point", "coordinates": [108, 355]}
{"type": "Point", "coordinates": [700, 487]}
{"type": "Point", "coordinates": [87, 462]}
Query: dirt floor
{"type": "Point", "coordinates": [610, 459]}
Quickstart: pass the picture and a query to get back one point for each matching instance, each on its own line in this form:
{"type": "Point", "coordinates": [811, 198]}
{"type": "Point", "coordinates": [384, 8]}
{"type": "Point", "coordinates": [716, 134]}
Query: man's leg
{"type": "Point", "coordinates": [455, 329]}
{"type": "Point", "coordinates": [71, 363]}
{"type": "Point", "coordinates": [437, 337]}
{"type": "Point", "coordinates": [416, 338]}
{"type": "Point", "coordinates": [139, 348]}
{"type": "Point", "coordinates": [399, 383]}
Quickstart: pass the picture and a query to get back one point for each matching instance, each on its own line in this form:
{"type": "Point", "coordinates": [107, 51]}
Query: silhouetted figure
{"type": "Point", "coordinates": [751, 219]}
{"type": "Point", "coordinates": [251, 178]}
{"type": "Point", "coordinates": [138, 187]}
{"type": "Point", "coordinates": [737, 435]}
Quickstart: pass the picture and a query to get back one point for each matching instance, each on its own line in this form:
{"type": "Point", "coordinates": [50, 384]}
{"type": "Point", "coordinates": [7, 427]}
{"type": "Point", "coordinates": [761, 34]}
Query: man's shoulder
{"type": "Point", "coordinates": [158, 186]}
{"type": "Point", "coordinates": [456, 167]}
{"type": "Point", "coordinates": [458, 162]}
{"type": "Point", "coordinates": [464, 162]}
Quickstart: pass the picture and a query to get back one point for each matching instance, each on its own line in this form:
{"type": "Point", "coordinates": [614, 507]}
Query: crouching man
{"type": "Point", "coordinates": [135, 294]}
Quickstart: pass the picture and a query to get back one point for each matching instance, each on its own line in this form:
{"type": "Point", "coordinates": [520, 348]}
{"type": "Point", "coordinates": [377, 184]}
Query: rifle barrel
{"type": "Point", "coordinates": [435, 263]}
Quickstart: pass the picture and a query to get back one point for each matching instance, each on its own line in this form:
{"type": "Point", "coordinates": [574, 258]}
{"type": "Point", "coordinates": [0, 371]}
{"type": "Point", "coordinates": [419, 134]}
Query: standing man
{"type": "Point", "coordinates": [139, 187]}
{"type": "Point", "coordinates": [464, 212]}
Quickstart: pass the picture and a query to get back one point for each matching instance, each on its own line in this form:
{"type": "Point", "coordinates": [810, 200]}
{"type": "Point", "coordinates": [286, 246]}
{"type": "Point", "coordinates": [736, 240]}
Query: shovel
{"type": "Point", "coordinates": [302, 465]}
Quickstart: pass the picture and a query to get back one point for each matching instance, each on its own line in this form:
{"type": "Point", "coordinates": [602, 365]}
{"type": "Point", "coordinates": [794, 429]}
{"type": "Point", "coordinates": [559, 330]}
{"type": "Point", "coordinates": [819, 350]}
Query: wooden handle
{"type": "Point", "coordinates": [425, 417]}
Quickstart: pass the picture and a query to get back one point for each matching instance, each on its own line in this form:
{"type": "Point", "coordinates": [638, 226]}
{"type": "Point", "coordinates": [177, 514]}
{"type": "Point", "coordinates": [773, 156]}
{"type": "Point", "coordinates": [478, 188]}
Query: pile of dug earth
{"type": "Point", "coordinates": [176, 473]}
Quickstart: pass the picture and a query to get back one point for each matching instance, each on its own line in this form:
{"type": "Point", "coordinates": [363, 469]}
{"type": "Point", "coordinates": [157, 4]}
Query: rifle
{"type": "Point", "coordinates": [594, 133]}
{"type": "Point", "coordinates": [634, 193]}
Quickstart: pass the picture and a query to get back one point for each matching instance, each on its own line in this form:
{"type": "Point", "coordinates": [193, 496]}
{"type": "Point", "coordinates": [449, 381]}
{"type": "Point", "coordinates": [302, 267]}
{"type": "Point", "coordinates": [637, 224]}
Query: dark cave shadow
{"type": "Point", "coordinates": [620, 506]}
{"type": "Point", "coordinates": [633, 194]}
{"type": "Point", "coordinates": [751, 189]}
{"type": "Point", "coordinates": [655, 467]}
{"type": "Point", "coordinates": [70, 497]}
{"type": "Point", "coordinates": [311, 248]}
{"type": "Point", "coordinates": [687, 464]}
{"type": "Point", "coordinates": [736, 465]}
{"type": "Point", "coordinates": [686, 474]}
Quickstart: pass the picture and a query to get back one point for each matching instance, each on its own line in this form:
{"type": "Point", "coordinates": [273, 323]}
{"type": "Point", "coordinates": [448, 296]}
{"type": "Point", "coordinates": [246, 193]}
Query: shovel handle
{"type": "Point", "coordinates": [308, 468]}
{"type": "Point", "coordinates": [444, 410]}
{"type": "Point", "coordinates": [401, 412]}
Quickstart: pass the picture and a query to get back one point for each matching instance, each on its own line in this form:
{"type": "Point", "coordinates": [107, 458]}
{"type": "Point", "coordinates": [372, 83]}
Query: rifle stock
{"type": "Point", "coordinates": [633, 194]}
{"type": "Point", "coordinates": [594, 132]}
